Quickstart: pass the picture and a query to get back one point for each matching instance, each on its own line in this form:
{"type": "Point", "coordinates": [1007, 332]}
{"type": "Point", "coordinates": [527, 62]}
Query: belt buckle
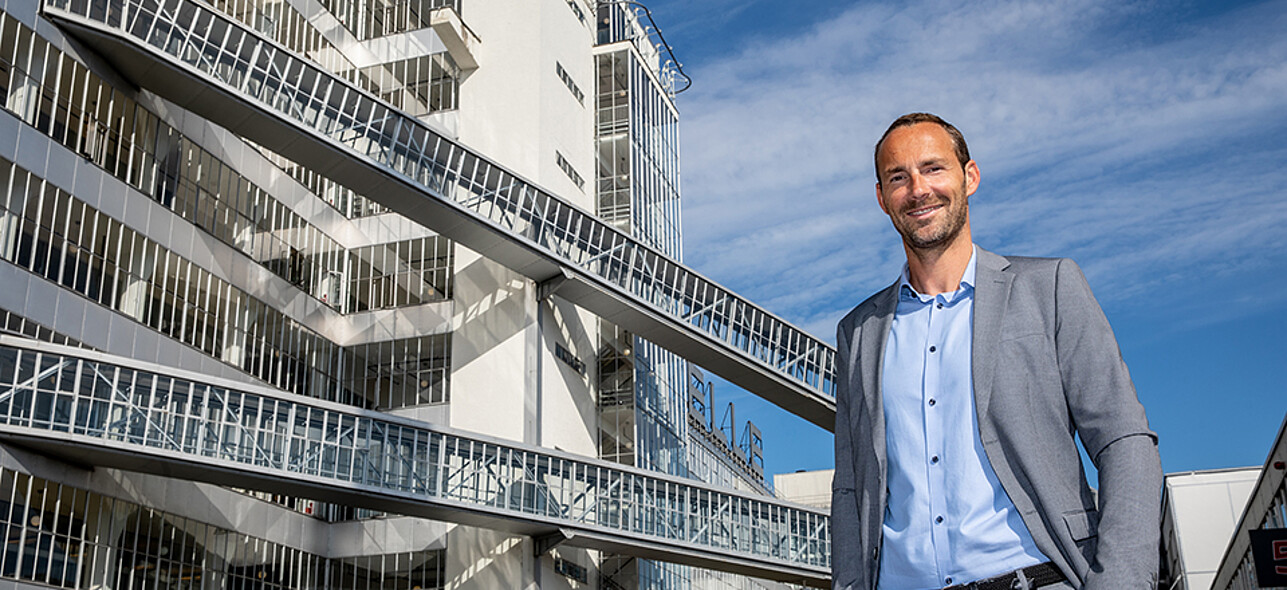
{"type": "Point", "coordinates": [1010, 579]}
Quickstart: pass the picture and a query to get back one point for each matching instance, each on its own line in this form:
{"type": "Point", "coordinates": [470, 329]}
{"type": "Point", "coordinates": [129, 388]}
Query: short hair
{"type": "Point", "coordinates": [958, 140]}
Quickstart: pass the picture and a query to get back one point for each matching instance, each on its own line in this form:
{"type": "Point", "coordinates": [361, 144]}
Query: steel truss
{"type": "Point", "coordinates": [150, 418]}
{"type": "Point", "coordinates": [230, 74]}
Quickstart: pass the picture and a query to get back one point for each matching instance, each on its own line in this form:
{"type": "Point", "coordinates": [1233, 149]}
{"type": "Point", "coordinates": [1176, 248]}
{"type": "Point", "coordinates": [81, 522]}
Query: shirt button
{"type": "Point", "coordinates": [934, 459]}
{"type": "Point", "coordinates": [933, 348]}
{"type": "Point", "coordinates": [932, 402]}
{"type": "Point", "coordinates": [948, 580]}
{"type": "Point", "coordinates": [940, 306]}
{"type": "Point", "coordinates": [938, 520]}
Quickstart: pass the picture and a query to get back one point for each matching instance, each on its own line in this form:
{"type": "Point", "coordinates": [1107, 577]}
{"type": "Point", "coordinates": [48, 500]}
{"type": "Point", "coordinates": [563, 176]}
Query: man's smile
{"type": "Point", "coordinates": [923, 211]}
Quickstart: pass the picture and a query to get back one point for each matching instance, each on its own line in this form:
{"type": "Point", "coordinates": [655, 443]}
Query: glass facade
{"type": "Point", "coordinates": [637, 185]}
{"type": "Point", "coordinates": [624, 21]}
{"type": "Point", "coordinates": [402, 373]}
{"type": "Point", "coordinates": [637, 181]}
{"type": "Point", "coordinates": [49, 232]}
{"type": "Point", "coordinates": [637, 196]}
{"type": "Point", "coordinates": [281, 22]}
{"type": "Point", "coordinates": [63, 536]}
{"type": "Point", "coordinates": [343, 199]}
{"type": "Point", "coordinates": [15, 324]}
{"type": "Point", "coordinates": [42, 85]}
{"type": "Point", "coordinates": [418, 85]}
{"type": "Point", "coordinates": [397, 274]}
{"type": "Point", "coordinates": [52, 234]}
{"type": "Point", "coordinates": [63, 99]}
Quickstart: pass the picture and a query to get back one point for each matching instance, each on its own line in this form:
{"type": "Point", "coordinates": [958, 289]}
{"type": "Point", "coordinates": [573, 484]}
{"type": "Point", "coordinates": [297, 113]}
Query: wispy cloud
{"type": "Point", "coordinates": [1142, 139]}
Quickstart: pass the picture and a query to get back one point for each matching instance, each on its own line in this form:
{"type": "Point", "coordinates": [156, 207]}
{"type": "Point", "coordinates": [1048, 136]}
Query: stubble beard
{"type": "Point", "coordinates": [939, 236]}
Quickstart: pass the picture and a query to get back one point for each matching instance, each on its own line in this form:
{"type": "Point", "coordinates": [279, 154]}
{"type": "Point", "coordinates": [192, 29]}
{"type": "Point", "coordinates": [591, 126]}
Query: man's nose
{"type": "Point", "coordinates": [918, 186]}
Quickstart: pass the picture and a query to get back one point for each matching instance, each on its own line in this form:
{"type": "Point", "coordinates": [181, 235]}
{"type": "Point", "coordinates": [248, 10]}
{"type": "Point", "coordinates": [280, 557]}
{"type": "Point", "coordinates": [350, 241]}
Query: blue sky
{"type": "Point", "coordinates": [1142, 139]}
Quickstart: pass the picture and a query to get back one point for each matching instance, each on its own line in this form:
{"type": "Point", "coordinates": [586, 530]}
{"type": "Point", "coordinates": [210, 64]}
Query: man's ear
{"type": "Point", "coordinates": [972, 178]}
{"type": "Point", "coordinates": [880, 198]}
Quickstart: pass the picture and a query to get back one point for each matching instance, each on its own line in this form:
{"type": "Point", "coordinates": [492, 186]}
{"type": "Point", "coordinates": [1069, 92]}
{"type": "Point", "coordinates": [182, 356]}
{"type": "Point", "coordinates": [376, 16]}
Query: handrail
{"type": "Point", "coordinates": [152, 418]}
{"type": "Point", "coordinates": [679, 67]}
{"type": "Point", "coordinates": [236, 77]}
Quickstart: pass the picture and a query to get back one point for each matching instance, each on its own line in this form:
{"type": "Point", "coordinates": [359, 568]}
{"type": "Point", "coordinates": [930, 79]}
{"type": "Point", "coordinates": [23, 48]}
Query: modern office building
{"type": "Point", "coordinates": [370, 294]}
{"type": "Point", "coordinates": [1199, 512]}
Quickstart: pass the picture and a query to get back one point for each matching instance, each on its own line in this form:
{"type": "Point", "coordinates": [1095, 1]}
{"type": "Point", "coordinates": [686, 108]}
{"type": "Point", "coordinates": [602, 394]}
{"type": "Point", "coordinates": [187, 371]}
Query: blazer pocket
{"type": "Point", "coordinates": [1082, 524]}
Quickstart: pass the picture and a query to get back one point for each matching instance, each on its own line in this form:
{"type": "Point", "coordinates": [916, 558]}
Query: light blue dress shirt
{"type": "Point", "coordinates": [947, 521]}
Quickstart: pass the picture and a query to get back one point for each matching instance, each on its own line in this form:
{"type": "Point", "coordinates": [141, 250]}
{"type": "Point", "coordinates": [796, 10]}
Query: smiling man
{"type": "Point", "coordinates": [962, 389]}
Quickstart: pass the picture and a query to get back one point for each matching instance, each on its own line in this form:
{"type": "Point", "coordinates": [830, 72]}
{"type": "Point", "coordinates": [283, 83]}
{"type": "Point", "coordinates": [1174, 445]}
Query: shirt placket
{"type": "Point", "coordinates": [935, 439]}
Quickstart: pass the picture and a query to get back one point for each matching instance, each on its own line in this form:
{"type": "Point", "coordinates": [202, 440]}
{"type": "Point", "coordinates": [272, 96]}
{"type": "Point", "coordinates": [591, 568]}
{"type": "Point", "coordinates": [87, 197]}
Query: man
{"type": "Point", "coordinates": [961, 388]}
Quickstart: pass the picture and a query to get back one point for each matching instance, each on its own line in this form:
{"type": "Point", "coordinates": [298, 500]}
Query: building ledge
{"type": "Point", "coordinates": [457, 37]}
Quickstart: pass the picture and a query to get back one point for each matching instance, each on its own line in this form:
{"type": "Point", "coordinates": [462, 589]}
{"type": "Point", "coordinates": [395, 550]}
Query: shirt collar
{"type": "Point", "coordinates": [907, 291]}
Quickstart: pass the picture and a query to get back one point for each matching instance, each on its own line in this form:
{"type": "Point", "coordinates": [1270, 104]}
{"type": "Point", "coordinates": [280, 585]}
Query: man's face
{"type": "Point", "coordinates": [923, 188]}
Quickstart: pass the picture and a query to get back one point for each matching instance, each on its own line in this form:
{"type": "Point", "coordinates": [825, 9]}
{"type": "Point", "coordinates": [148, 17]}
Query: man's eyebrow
{"type": "Point", "coordinates": [894, 168]}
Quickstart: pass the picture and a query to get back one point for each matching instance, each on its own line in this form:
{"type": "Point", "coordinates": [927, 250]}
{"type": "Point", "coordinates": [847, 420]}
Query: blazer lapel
{"type": "Point", "coordinates": [875, 333]}
{"type": "Point", "coordinates": [991, 295]}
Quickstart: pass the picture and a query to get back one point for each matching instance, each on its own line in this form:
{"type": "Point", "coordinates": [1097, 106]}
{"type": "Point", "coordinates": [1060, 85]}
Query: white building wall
{"type": "Point", "coordinates": [506, 379]}
{"type": "Point", "coordinates": [1200, 512]}
{"type": "Point", "coordinates": [811, 488]}
{"type": "Point", "coordinates": [514, 107]}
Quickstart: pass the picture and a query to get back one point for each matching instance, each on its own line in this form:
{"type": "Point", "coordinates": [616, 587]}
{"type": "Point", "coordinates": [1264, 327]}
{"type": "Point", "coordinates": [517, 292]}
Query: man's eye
{"type": "Point", "coordinates": [897, 178]}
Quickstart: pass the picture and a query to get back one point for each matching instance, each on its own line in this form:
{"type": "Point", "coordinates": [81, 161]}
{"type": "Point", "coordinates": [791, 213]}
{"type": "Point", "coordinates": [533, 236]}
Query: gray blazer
{"type": "Point", "coordinates": [1045, 367]}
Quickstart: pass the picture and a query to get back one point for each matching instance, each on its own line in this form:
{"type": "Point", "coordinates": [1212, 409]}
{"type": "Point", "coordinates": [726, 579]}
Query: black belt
{"type": "Point", "coordinates": [1037, 575]}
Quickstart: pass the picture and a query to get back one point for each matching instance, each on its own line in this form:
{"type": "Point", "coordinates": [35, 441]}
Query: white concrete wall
{"type": "Point", "coordinates": [1203, 508]}
{"type": "Point", "coordinates": [506, 379]}
{"type": "Point", "coordinates": [568, 412]}
{"type": "Point", "coordinates": [481, 559]}
{"type": "Point", "coordinates": [514, 107]}
{"type": "Point", "coordinates": [811, 488]}
{"type": "Point", "coordinates": [516, 110]}
{"type": "Point", "coordinates": [493, 356]}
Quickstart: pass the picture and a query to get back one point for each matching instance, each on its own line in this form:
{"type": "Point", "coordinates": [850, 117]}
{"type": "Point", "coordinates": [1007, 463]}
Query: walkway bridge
{"type": "Point", "coordinates": [87, 406]}
{"type": "Point", "coordinates": [233, 76]}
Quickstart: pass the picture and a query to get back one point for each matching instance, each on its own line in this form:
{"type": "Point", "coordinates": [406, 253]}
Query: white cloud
{"type": "Point", "coordinates": [1135, 138]}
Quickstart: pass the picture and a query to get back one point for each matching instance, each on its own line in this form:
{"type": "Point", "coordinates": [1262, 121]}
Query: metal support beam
{"type": "Point", "coordinates": [544, 543]}
{"type": "Point", "coordinates": [551, 285]}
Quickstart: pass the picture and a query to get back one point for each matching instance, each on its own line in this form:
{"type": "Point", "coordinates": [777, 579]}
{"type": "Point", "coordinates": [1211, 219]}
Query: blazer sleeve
{"type": "Point", "coordinates": [1111, 423]}
{"type": "Point", "coordinates": [845, 528]}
